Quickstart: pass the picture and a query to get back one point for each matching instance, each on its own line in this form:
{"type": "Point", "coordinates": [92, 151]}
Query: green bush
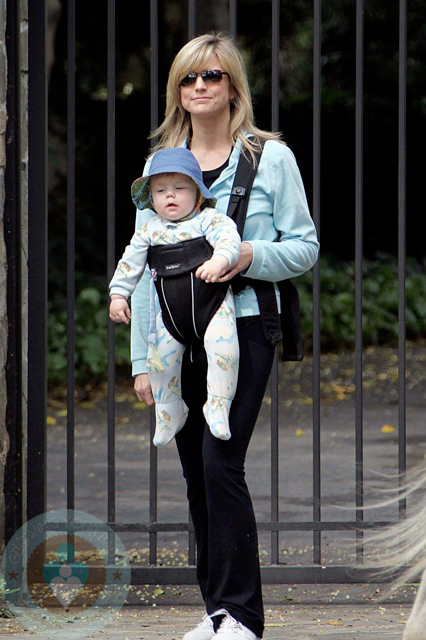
{"type": "Point", "coordinates": [337, 314]}
{"type": "Point", "coordinates": [379, 302]}
{"type": "Point", "coordinates": [91, 353]}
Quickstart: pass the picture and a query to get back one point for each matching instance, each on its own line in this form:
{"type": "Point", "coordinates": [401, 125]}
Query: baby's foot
{"type": "Point", "coordinates": [216, 412]}
{"type": "Point", "coordinates": [170, 418]}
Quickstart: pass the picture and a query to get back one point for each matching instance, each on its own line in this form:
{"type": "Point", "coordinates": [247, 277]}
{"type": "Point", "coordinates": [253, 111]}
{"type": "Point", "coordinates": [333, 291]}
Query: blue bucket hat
{"type": "Point", "coordinates": [179, 160]}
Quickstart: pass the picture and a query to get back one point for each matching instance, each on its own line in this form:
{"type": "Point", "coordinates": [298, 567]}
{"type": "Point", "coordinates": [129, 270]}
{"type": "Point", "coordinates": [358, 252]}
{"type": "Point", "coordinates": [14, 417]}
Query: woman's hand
{"type": "Point", "coordinates": [243, 262]}
{"type": "Point", "coordinates": [143, 390]}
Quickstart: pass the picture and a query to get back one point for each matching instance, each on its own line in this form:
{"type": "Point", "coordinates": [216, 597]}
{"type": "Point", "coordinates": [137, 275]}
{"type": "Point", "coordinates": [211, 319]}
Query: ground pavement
{"type": "Point", "coordinates": [302, 612]}
{"type": "Point", "coordinates": [293, 612]}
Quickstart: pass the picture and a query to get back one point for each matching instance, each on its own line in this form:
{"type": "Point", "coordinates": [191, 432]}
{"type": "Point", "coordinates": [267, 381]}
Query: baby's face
{"type": "Point", "coordinates": [173, 195]}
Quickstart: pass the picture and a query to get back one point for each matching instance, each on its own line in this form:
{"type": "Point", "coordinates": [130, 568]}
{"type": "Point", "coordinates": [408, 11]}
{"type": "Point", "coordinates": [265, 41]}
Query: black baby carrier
{"type": "Point", "coordinates": [187, 303]}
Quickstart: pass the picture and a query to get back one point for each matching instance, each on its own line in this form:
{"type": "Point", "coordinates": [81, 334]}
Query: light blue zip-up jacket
{"type": "Point", "coordinates": [277, 209]}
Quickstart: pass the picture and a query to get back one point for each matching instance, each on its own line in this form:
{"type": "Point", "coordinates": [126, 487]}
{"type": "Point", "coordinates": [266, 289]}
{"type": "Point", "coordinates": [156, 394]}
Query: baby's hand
{"type": "Point", "coordinates": [119, 310]}
{"type": "Point", "coordinates": [212, 269]}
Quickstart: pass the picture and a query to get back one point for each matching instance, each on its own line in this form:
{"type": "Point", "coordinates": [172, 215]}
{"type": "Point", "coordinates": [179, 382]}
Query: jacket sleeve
{"type": "Point", "coordinates": [296, 248]}
{"type": "Point", "coordinates": [140, 311]}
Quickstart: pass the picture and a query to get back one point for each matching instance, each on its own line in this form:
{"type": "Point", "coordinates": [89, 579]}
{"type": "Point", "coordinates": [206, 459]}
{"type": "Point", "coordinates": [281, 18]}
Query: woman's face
{"type": "Point", "coordinates": [207, 99]}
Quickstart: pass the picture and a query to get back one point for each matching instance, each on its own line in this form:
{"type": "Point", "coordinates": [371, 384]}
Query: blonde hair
{"type": "Point", "coordinates": [176, 126]}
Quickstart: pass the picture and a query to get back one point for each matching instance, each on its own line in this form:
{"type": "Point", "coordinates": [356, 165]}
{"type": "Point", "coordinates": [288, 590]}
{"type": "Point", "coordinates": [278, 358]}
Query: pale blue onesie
{"type": "Point", "coordinates": [165, 353]}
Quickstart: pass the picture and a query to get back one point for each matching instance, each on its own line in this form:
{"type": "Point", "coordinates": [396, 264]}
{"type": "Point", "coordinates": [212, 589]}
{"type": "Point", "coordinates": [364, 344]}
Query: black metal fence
{"type": "Point", "coordinates": [37, 265]}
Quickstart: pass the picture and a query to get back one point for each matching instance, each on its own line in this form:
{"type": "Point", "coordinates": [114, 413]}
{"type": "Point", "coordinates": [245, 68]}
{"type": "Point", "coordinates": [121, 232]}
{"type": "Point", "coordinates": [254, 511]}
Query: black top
{"type": "Point", "coordinates": [210, 176]}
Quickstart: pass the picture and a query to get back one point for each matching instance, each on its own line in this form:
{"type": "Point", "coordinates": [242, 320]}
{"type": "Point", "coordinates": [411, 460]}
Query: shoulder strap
{"type": "Point", "coordinates": [241, 188]}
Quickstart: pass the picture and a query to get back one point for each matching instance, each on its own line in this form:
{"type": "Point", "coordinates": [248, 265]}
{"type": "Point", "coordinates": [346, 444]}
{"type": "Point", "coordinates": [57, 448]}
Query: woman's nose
{"type": "Point", "coordinates": [199, 83]}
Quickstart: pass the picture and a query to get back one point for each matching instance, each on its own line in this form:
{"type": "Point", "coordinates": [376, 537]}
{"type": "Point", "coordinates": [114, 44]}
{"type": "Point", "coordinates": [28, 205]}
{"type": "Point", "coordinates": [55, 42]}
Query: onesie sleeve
{"type": "Point", "coordinates": [221, 232]}
{"type": "Point", "coordinates": [132, 265]}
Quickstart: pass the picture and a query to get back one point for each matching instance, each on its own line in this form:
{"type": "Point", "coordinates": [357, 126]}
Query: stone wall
{"type": "Point", "coordinates": [23, 16]}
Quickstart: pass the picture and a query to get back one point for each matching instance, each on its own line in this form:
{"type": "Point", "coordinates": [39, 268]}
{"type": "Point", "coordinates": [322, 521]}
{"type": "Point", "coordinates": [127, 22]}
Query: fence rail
{"type": "Point", "coordinates": [38, 236]}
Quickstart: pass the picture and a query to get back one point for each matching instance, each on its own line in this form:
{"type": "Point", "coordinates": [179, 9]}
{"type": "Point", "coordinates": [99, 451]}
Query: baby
{"type": "Point", "coordinates": [184, 237]}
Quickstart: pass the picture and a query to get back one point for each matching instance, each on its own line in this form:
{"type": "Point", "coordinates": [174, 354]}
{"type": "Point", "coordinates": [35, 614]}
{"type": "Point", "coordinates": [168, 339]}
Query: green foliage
{"type": "Point", "coordinates": [337, 313]}
{"type": "Point", "coordinates": [379, 302]}
{"type": "Point", "coordinates": [91, 352]}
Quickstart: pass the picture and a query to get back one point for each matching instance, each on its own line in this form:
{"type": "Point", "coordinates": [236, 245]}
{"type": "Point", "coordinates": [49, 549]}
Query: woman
{"type": "Point", "coordinates": [209, 111]}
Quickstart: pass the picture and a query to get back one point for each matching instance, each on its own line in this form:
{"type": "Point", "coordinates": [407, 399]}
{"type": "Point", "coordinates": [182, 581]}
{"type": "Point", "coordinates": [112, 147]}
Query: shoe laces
{"type": "Point", "coordinates": [230, 624]}
{"type": "Point", "coordinates": [205, 622]}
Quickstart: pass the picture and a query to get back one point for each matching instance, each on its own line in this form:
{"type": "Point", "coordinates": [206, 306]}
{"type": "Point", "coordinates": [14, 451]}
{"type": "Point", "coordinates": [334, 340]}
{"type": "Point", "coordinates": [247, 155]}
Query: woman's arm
{"type": "Point", "coordinates": [278, 187]}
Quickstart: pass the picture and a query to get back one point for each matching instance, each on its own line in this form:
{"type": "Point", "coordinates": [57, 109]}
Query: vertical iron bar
{"type": "Point", "coordinates": [12, 223]}
{"type": "Point", "coordinates": [37, 258]}
{"type": "Point", "coordinates": [154, 64]}
{"type": "Point", "coordinates": [192, 22]}
{"type": "Point", "coordinates": [111, 251]}
{"type": "Point", "coordinates": [70, 255]}
{"type": "Point", "coordinates": [316, 347]}
{"type": "Point", "coordinates": [275, 102]}
{"type": "Point", "coordinates": [275, 515]}
{"type": "Point", "coordinates": [402, 150]}
{"type": "Point", "coordinates": [153, 489]}
{"type": "Point", "coordinates": [192, 18]}
{"type": "Point", "coordinates": [233, 18]}
{"type": "Point", "coordinates": [153, 454]}
{"type": "Point", "coordinates": [359, 148]}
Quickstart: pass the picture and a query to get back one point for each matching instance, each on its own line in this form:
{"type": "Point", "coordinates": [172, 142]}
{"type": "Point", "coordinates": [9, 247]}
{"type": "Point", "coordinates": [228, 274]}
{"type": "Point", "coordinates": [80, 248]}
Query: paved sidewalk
{"type": "Point", "coordinates": [293, 612]}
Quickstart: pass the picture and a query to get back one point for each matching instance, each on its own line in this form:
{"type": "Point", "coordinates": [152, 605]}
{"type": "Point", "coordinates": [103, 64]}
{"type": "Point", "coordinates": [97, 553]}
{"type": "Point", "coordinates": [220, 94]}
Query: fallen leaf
{"type": "Point", "coordinates": [299, 432]}
{"type": "Point", "coordinates": [56, 404]}
{"type": "Point", "coordinates": [388, 428]}
{"type": "Point", "coordinates": [139, 405]}
{"type": "Point", "coordinates": [51, 420]}
{"type": "Point", "coordinates": [87, 405]}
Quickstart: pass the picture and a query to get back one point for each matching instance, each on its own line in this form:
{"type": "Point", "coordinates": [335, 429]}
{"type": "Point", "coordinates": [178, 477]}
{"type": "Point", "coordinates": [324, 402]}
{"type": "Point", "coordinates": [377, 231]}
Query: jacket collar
{"type": "Point", "coordinates": [232, 164]}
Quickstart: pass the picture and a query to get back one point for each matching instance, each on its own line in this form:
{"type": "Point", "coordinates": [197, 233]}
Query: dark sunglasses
{"type": "Point", "coordinates": [210, 75]}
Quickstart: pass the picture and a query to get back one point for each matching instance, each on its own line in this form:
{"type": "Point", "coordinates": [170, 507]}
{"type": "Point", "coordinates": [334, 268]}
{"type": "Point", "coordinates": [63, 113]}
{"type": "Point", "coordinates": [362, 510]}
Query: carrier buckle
{"type": "Point", "coordinates": [238, 191]}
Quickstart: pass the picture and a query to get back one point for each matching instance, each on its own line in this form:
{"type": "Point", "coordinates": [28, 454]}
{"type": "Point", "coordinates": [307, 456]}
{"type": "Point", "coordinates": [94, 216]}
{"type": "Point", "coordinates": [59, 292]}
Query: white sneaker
{"type": "Point", "coordinates": [203, 631]}
{"type": "Point", "coordinates": [231, 629]}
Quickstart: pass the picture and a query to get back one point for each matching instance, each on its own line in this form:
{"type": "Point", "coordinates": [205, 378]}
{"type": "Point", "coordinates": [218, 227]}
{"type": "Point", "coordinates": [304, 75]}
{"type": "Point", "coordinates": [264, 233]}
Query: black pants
{"type": "Point", "coordinates": [221, 509]}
